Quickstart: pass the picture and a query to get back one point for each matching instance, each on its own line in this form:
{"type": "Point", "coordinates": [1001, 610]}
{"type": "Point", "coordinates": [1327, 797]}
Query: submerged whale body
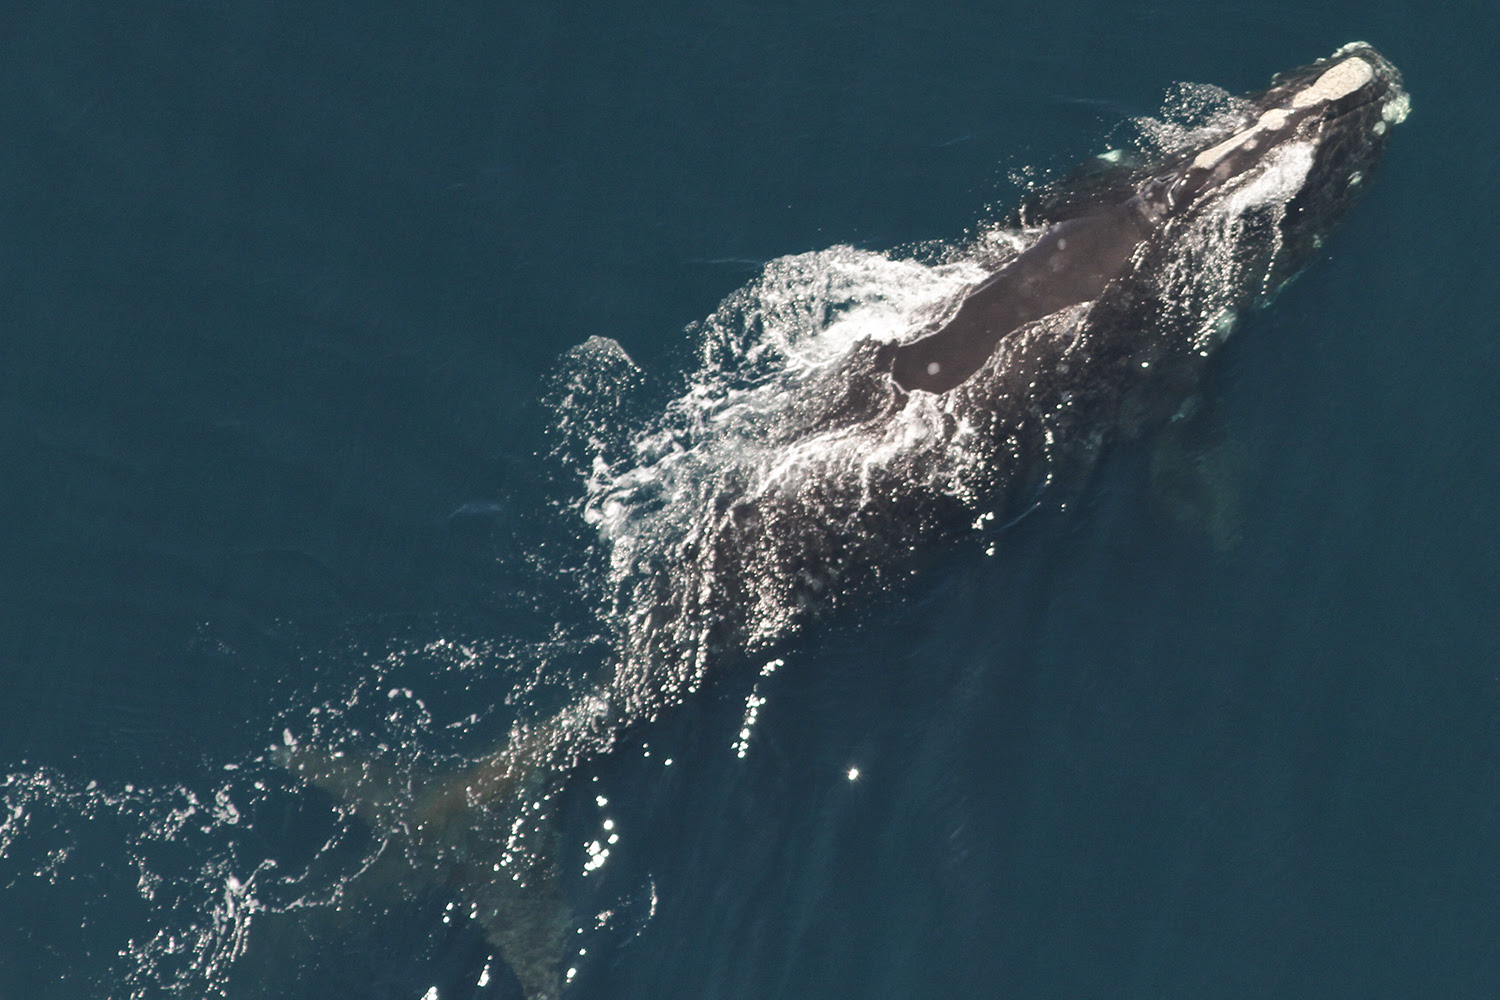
{"type": "Point", "coordinates": [854, 411]}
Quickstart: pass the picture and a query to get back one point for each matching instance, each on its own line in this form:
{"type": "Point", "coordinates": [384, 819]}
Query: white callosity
{"type": "Point", "coordinates": [1340, 81]}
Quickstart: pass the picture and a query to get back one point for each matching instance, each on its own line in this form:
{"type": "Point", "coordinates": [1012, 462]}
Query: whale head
{"type": "Point", "coordinates": [1198, 232]}
{"type": "Point", "coordinates": [1308, 142]}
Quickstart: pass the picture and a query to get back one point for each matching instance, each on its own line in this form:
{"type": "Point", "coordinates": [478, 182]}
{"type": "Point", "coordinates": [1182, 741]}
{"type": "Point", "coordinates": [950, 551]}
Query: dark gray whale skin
{"type": "Point", "coordinates": [1097, 332]}
{"type": "Point", "coordinates": [1077, 259]}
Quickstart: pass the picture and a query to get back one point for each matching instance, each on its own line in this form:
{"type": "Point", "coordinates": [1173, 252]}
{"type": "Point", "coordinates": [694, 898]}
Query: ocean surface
{"type": "Point", "coordinates": [283, 294]}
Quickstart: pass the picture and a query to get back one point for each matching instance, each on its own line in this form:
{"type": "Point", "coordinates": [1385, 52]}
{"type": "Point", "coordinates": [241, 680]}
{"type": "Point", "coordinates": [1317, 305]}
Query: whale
{"type": "Point", "coordinates": [854, 413]}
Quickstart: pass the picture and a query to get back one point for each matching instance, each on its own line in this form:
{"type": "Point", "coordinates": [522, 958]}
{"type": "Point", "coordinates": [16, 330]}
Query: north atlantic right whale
{"type": "Point", "coordinates": [854, 412]}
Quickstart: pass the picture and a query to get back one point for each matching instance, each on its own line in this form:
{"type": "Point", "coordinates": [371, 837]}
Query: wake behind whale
{"type": "Point", "coordinates": [853, 413]}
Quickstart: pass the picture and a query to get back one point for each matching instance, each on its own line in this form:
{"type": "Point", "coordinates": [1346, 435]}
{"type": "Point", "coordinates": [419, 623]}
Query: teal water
{"type": "Point", "coordinates": [280, 293]}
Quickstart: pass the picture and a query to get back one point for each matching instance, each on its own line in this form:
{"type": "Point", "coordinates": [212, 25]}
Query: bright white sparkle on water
{"type": "Point", "coordinates": [853, 774]}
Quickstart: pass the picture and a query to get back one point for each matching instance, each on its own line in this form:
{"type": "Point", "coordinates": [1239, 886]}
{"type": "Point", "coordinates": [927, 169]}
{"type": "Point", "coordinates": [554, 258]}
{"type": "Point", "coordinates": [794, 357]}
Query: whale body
{"type": "Point", "coordinates": [855, 411]}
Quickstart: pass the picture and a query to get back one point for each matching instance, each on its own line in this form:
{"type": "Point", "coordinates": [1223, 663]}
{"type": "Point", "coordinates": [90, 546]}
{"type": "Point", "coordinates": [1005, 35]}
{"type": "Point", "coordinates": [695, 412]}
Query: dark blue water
{"type": "Point", "coordinates": [280, 292]}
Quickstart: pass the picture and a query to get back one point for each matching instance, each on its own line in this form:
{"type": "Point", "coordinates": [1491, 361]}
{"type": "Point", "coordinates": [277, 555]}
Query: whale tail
{"type": "Point", "coordinates": [459, 832]}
